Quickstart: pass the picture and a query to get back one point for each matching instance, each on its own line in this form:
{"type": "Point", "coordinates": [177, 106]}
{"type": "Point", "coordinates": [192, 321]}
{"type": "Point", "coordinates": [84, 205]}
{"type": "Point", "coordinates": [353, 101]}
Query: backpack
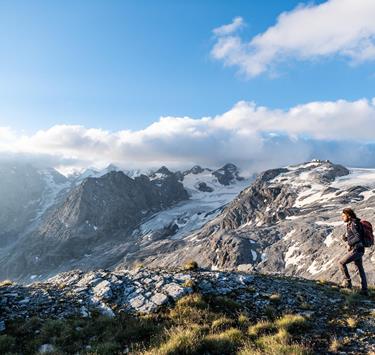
{"type": "Point", "coordinates": [368, 236]}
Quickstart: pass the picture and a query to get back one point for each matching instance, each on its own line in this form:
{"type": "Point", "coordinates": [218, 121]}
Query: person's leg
{"type": "Point", "coordinates": [358, 262]}
{"type": "Point", "coordinates": [348, 258]}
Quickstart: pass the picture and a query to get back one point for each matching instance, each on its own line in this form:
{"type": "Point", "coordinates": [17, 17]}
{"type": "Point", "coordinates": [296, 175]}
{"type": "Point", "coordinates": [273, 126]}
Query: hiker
{"type": "Point", "coordinates": [354, 238]}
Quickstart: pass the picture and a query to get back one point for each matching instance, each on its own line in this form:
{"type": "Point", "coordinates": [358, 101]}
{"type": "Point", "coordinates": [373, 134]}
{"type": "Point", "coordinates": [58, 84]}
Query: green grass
{"type": "Point", "coordinates": [194, 325]}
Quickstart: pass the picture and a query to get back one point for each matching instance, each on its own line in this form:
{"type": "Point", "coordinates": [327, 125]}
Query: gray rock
{"type": "Point", "coordinates": [46, 348]}
{"type": "Point", "coordinates": [24, 301]}
{"type": "Point", "coordinates": [137, 301]}
{"type": "Point", "coordinates": [174, 290]}
{"type": "Point", "coordinates": [159, 298]}
{"type": "Point", "coordinates": [103, 290]}
{"type": "Point", "coordinates": [84, 312]}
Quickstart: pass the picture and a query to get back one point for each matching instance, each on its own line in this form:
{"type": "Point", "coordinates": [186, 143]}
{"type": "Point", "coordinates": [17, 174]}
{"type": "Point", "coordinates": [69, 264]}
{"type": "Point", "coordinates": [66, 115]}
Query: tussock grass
{"type": "Point", "coordinates": [293, 323]}
{"type": "Point", "coordinates": [275, 298]}
{"type": "Point", "coordinates": [224, 304]}
{"type": "Point", "coordinates": [189, 283]}
{"type": "Point", "coordinates": [191, 309]}
{"type": "Point", "coordinates": [243, 320]}
{"type": "Point", "coordinates": [179, 341]}
{"type": "Point", "coordinates": [190, 265]}
{"type": "Point", "coordinates": [270, 312]}
{"type": "Point", "coordinates": [226, 342]}
{"type": "Point", "coordinates": [305, 305]}
{"type": "Point", "coordinates": [280, 343]}
{"type": "Point", "coordinates": [353, 299]}
{"type": "Point", "coordinates": [222, 323]}
{"type": "Point", "coordinates": [262, 327]}
{"type": "Point", "coordinates": [352, 322]}
{"type": "Point", "coordinates": [336, 345]}
{"type": "Point", "coordinates": [6, 283]}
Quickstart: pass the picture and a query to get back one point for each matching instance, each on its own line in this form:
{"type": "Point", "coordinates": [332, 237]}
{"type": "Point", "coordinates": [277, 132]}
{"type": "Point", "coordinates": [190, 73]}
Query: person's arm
{"type": "Point", "coordinates": [355, 234]}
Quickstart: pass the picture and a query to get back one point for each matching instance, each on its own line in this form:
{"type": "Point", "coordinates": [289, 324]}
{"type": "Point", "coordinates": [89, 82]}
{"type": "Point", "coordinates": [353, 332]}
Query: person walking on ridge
{"type": "Point", "coordinates": [356, 250]}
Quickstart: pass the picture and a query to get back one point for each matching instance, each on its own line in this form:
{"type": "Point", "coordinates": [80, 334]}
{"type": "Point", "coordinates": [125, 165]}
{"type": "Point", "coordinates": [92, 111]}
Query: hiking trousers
{"type": "Point", "coordinates": [356, 256]}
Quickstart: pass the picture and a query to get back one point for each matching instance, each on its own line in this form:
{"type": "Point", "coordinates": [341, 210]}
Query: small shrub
{"type": "Point", "coordinates": [190, 265]}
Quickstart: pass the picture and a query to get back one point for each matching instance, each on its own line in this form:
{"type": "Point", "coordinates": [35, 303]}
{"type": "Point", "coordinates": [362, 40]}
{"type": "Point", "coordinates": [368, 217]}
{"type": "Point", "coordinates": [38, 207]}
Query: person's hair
{"type": "Point", "coordinates": [349, 212]}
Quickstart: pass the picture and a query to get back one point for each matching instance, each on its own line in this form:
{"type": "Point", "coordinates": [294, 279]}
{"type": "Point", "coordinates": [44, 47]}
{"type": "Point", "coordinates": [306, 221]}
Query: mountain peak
{"type": "Point", "coordinates": [111, 167]}
{"type": "Point", "coordinates": [227, 174]}
{"type": "Point", "coordinates": [163, 170]}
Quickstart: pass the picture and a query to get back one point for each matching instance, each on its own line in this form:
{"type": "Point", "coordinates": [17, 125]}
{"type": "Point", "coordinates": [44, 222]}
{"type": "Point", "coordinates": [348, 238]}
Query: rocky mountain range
{"type": "Point", "coordinates": [99, 219]}
{"type": "Point", "coordinates": [286, 221]}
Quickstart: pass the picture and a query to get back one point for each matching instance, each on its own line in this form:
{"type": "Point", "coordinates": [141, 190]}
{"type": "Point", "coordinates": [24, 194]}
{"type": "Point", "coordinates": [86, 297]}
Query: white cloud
{"type": "Point", "coordinates": [336, 27]}
{"type": "Point", "coordinates": [251, 136]}
{"type": "Point", "coordinates": [236, 24]}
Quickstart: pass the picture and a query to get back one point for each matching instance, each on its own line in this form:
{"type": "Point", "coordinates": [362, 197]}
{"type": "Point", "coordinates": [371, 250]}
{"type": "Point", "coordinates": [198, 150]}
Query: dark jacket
{"type": "Point", "coordinates": [354, 235]}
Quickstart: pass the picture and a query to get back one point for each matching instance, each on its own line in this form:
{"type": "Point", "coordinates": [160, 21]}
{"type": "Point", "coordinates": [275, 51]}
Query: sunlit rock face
{"type": "Point", "coordinates": [287, 221]}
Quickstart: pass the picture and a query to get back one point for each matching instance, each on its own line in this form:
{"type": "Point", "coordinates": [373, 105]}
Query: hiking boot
{"type": "Point", "coordinates": [364, 293]}
{"type": "Point", "coordinates": [347, 284]}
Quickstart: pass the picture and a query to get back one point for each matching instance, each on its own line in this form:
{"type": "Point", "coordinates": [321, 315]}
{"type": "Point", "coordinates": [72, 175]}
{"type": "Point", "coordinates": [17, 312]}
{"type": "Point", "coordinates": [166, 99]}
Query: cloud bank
{"type": "Point", "coordinates": [254, 137]}
{"type": "Point", "coordinates": [344, 28]}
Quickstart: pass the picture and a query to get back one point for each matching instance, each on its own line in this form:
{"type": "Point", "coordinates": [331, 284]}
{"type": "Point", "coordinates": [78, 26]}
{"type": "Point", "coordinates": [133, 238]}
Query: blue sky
{"type": "Point", "coordinates": [123, 64]}
{"type": "Point", "coordinates": [77, 75]}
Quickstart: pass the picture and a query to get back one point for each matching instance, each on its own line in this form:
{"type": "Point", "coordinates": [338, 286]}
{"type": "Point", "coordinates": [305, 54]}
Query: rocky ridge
{"type": "Point", "coordinates": [141, 291]}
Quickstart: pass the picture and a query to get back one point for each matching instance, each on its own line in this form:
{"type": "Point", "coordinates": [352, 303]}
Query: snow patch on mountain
{"type": "Point", "coordinates": [188, 216]}
{"type": "Point", "coordinates": [51, 191]}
